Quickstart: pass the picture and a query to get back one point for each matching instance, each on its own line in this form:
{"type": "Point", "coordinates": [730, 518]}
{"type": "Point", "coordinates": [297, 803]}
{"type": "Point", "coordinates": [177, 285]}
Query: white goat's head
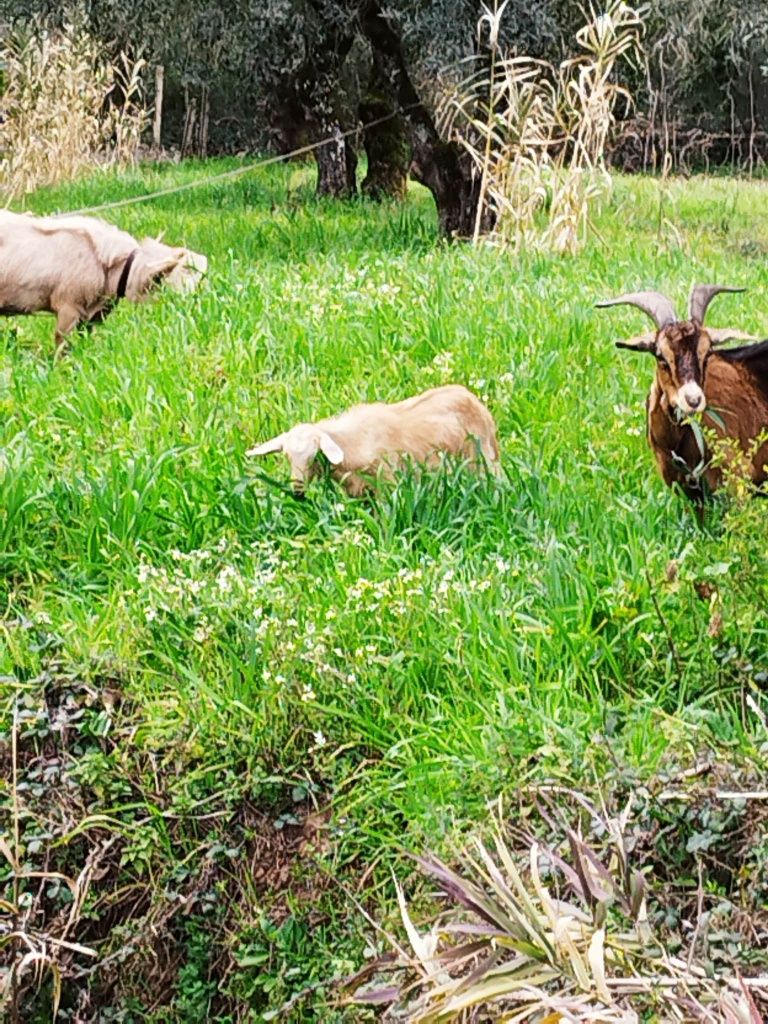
{"type": "Point", "coordinates": [180, 268]}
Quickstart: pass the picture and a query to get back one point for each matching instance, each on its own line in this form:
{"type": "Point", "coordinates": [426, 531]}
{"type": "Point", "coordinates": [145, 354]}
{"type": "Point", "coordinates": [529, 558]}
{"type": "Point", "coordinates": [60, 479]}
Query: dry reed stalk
{"type": "Point", "coordinates": [58, 116]}
{"type": "Point", "coordinates": [537, 133]}
{"type": "Point", "coordinates": [551, 937]}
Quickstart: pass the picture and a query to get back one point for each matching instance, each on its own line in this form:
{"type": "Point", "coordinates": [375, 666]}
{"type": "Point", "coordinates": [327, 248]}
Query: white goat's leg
{"type": "Point", "coordinates": [67, 318]}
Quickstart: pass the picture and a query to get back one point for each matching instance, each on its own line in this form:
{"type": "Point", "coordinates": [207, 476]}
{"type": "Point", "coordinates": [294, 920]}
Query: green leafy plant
{"type": "Point", "coordinates": [31, 952]}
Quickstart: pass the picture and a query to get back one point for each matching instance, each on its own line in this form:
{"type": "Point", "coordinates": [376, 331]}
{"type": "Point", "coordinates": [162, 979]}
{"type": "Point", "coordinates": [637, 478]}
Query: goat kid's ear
{"type": "Point", "coordinates": [273, 445]}
{"type": "Point", "coordinates": [640, 343]}
{"type": "Point", "coordinates": [330, 449]}
{"type": "Point", "coordinates": [720, 335]}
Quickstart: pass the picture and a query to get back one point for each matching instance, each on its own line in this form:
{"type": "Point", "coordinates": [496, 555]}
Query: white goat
{"type": "Point", "coordinates": [77, 267]}
{"type": "Point", "coordinates": [370, 439]}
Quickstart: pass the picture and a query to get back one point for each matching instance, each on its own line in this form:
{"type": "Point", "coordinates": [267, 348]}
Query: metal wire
{"type": "Point", "coordinates": [237, 171]}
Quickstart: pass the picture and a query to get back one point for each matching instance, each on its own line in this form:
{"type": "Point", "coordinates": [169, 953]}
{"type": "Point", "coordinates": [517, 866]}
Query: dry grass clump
{"type": "Point", "coordinates": [537, 133]}
{"type": "Point", "coordinates": [58, 106]}
{"type": "Point", "coordinates": [541, 934]}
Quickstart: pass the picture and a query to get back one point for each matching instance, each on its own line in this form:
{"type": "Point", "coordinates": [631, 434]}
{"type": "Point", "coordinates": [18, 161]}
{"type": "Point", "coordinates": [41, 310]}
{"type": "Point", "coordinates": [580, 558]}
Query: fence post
{"type": "Point", "coordinates": [157, 120]}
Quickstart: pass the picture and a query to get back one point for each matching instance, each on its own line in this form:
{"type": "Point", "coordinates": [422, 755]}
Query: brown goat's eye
{"type": "Point", "coordinates": [663, 363]}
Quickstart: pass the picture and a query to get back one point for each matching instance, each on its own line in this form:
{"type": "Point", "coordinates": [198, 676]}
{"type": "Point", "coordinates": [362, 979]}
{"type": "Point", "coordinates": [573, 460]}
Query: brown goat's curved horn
{"type": "Point", "coordinates": [702, 295]}
{"type": "Point", "coordinates": [657, 306]}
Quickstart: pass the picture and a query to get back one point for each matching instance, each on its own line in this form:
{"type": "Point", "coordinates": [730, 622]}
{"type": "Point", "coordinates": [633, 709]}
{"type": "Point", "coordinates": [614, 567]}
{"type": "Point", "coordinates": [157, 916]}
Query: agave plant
{"type": "Point", "coordinates": [559, 939]}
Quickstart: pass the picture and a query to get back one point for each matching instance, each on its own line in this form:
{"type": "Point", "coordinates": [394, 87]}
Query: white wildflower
{"type": "Point", "coordinates": [443, 362]}
{"type": "Point", "coordinates": [225, 577]}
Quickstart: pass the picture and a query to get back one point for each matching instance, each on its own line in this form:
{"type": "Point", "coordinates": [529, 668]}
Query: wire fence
{"type": "Point", "coordinates": [236, 172]}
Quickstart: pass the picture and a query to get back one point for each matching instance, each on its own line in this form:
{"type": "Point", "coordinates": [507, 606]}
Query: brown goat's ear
{"type": "Point", "coordinates": [640, 343]}
{"type": "Point", "coordinates": [720, 335]}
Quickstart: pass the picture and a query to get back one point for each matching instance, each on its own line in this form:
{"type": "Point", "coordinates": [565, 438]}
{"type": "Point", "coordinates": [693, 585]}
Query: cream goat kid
{"type": "Point", "coordinates": [78, 267]}
{"type": "Point", "coordinates": [368, 440]}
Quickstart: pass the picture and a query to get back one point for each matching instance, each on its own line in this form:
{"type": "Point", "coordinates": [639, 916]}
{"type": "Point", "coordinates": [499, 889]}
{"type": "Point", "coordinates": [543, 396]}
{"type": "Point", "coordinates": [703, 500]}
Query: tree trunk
{"type": "Point", "coordinates": [297, 119]}
{"type": "Point", "coordinates": [336, 164]}
{"type": "Point", "coordinates": [190, 119]}
{"type": "Point", "coordinates": [288, 122]}
{"type": "Point", "coordinates": [448, 174]}
{"type": "Point", "coordinates": [316, 91]}
{"type": "Point", "coordinates": [387, 144]}
{"type": "Point", "coordinates": [443, 167]}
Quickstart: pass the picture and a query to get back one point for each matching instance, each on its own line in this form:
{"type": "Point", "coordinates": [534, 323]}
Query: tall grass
{"type": "Point", "coordinates": [538, 133]}
{"type": "Point", "coordinates": [59, 111]}
{"type": "Point", "coordinates": [263, 701]}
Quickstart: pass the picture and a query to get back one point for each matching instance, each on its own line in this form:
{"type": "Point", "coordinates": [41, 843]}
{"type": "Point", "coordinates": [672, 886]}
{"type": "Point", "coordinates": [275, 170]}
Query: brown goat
{"type": "Point", "coordinates": [729, 387]}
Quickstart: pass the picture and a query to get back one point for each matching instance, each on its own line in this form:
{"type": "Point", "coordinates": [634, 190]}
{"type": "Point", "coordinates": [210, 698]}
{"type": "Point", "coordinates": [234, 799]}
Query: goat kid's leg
{"type": "Point", "coordinates": [492, 460]}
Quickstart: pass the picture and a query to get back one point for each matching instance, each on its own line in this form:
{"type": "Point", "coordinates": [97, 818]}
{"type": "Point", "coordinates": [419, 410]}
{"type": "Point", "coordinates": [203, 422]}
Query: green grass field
{"type": "Point", "coordinates": [223, 660]}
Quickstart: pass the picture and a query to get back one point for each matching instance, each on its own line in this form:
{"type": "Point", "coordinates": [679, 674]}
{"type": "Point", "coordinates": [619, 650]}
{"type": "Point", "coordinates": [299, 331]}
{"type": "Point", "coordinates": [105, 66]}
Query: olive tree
{"type": "Point", "coordinates": [290, 73]}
